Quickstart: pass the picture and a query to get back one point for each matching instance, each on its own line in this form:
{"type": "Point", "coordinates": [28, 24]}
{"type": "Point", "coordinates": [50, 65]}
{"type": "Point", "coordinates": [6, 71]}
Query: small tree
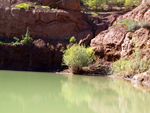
{"type": "Point", "coordinates": [77, 57]}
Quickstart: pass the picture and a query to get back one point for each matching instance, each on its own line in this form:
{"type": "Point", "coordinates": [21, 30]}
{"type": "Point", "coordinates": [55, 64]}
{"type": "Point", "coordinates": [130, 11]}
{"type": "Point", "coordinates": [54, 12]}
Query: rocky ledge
{"type": "Point", "coordinates": [38, 56]}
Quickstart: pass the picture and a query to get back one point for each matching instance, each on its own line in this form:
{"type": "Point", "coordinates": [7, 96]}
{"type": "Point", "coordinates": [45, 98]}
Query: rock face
{"type": "Point", "coordinates": [62, 4]}
{"type": "Point", "coordinates": [140, 38]}
{"type": "Point", "coordinates": [43, 23]}
{"type": "Point", "coordinates": [53, 27]}
{"type": "Point", "coordinates": [117, 42]}
{"type": "Point", "coordinates": [107, 44]}
{"type": "Point", "coordinates": [36, 57]}
{"type": "Point", "coordinates": [140, 13]}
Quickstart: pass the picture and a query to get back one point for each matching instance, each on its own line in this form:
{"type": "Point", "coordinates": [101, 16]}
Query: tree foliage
{"type": "Point", "coordinates": [99, 4]}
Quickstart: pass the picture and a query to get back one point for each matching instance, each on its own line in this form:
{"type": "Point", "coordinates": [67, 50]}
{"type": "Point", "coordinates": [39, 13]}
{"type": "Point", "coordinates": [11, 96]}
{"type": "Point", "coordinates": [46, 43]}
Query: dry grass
{"type": "Point", "coordinates": [128, 67]}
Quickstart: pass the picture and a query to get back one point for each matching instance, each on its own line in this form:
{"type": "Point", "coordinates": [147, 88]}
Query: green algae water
{"type": "Point", "coordinates": [32, 92]}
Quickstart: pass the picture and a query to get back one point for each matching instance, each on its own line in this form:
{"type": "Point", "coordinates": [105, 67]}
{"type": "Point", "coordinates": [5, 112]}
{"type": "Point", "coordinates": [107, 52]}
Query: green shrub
{"type": "Point", "coordinates": [23, 5]}
{"type": "Point", "coordinates": [36, 3]}
{"type": "Point", "coordinates": [77, 57]}
{"type": "Point", "coordinates": [131, 24]}
{"type": "Point", "coordinates": [144, 24]}
{"type": "Point", "coordinates": [93, 13]}
{"type": "Point", "coordinates": [130, 3]}
{"type": "Point", "coordinates": [45, 7]}
{"type": "Point", "coordinates": [25, 40]}
{"type": "Point", "coordinates": [129, 67]}
{"type": "Point", "coordinates": [36, 7]}
{"type": "Point", "coordinates": [72, 39]}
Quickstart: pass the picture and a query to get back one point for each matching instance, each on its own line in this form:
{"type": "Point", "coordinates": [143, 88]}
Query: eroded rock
{"type": "Point", "coordinates": [140, 13]}
{"type": "Point", "coordinates": [127, 45]}
{"type": "Point", "coordinates": [107, 44]}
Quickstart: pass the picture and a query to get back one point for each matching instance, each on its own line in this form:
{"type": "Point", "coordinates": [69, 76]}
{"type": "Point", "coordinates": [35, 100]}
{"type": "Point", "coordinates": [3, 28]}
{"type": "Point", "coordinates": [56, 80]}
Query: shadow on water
{"type": "Point", "coordinates": [30, 92]}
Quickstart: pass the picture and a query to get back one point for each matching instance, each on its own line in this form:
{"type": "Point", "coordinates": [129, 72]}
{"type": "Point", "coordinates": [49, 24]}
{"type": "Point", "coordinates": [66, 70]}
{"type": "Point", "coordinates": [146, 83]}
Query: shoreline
{"type": "Point", "coordinates": [142, 86]}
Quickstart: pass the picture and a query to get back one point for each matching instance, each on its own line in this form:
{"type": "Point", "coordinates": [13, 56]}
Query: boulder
{"type": "Point", "coordinates": [142, 78]}
{"type": "Point", "coordinates": [107, 44]}
{"type": "Point", "coordinates": [140, 37]}
{"type": "Point", "coordinates": [86, 41]}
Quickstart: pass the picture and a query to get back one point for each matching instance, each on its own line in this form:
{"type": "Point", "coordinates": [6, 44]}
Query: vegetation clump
{"type": "Point", "coordinates": [128, 67]}
{"type": "Point", "coordinates": [72, 39]}
{"type": "Point", "coordinates": [130, 3]}
{"type": "Point", "coordinates": [25, 40]}
{"type": "Point", "coordinates": [36, 3]}
{"type": "Point", "coordinates": [93, 13]}
{"type": "Point", "coordinates": [145, 24]}
{"type": "Point", "coordinates": [45, 7]}
{"type": "Point", "coordinates": [23, 5]}
{"type": "Point", "coordinates": [102, 4]}
{"type": "Point", "coordinates": [36, 7]}
{"type": "Point", "coordinates": [133, 25]}
{"type": "Point", "coordinates": [77, 57]}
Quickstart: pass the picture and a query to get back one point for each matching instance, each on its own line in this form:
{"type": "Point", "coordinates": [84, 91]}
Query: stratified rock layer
{"type": "Point", "coordinates": [43, 23]}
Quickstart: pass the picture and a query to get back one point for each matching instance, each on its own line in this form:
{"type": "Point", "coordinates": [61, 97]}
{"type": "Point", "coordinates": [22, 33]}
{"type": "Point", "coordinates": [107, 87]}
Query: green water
{"type": "Point", "coordinates": [30, 92]}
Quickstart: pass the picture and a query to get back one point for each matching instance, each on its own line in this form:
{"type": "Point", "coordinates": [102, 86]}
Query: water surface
{"type": "Point", "coordinates": [31, 92]}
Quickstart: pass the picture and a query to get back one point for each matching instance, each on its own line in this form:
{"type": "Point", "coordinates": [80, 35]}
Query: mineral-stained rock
{"type": "Point", "coordinates": [127, 45]}
{"type": "Point", "coordinates": [108, 43]}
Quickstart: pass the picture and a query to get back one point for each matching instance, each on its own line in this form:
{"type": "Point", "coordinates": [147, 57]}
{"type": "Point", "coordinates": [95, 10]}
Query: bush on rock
{"type": "Point", "coordinates": [77, 57]}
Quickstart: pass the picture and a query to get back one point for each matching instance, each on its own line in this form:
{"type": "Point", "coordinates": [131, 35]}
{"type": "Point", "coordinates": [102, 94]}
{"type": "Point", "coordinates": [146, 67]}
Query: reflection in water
{"type": "Point", "coordinates": [106, 95]}
{"type": "Point", "coordinates": [26, 92]}
{"type": "Point", "coordinates": [75, 94]}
